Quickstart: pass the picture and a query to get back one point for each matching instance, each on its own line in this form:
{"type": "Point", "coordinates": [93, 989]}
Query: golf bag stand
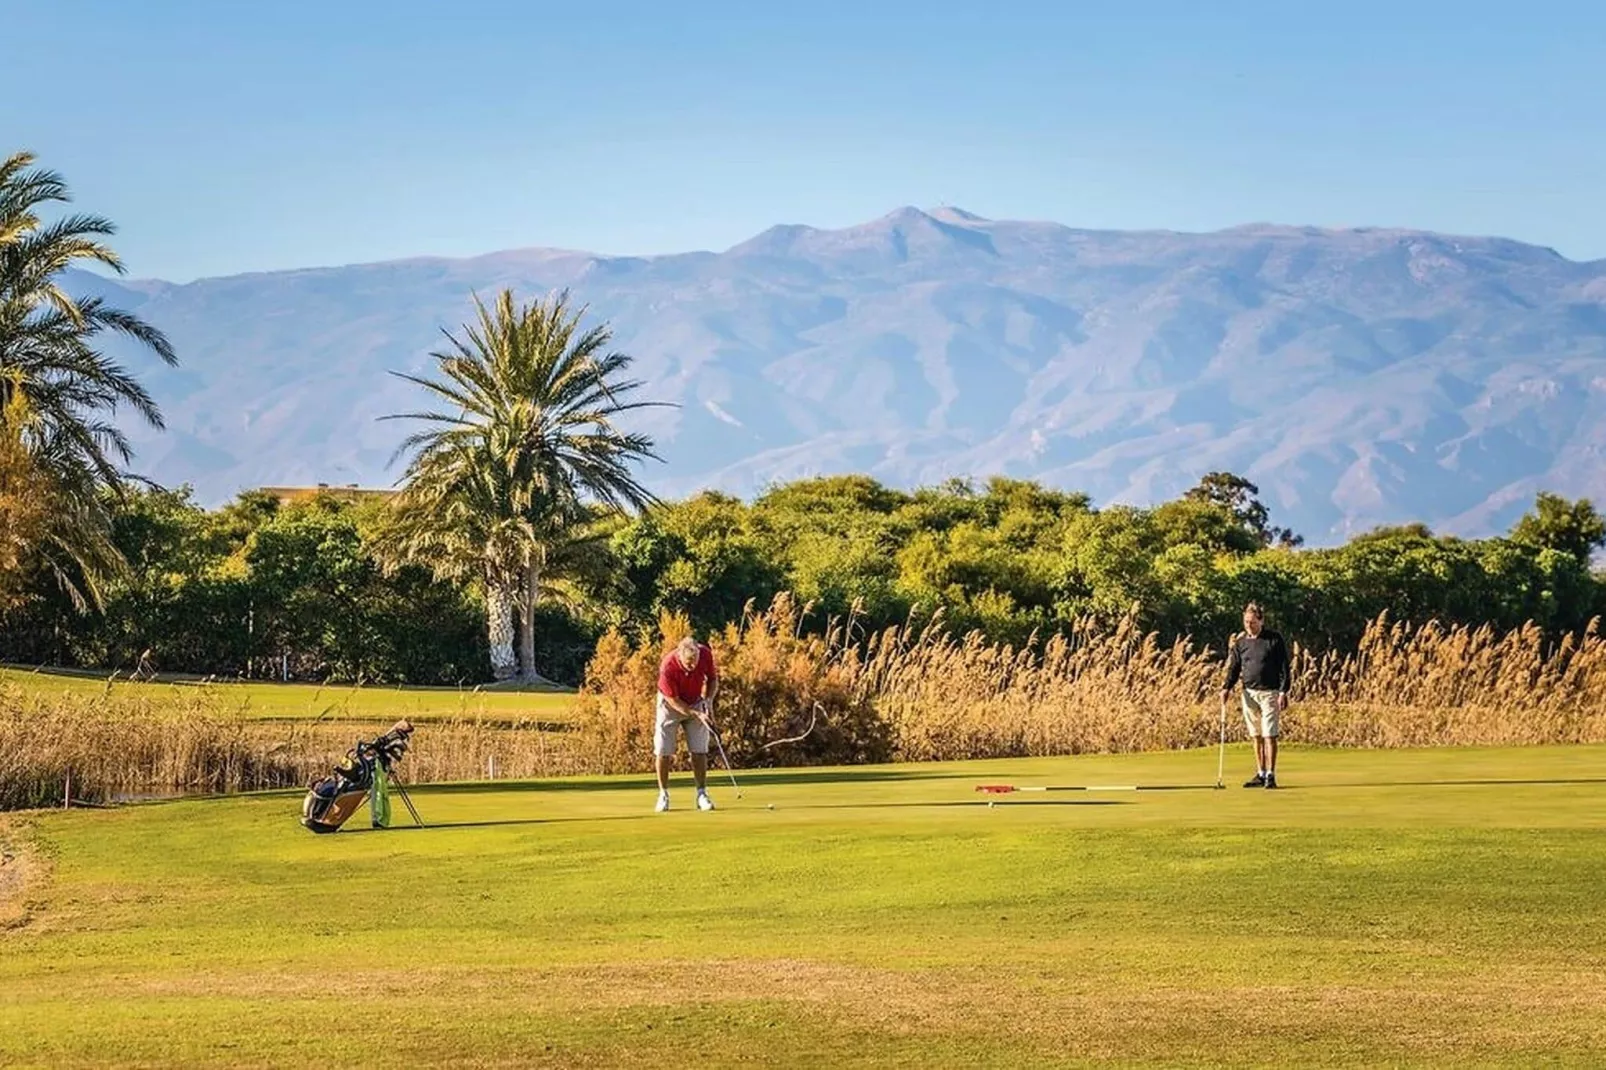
{"type": "Point", "coordinates": [366, 772]}
{"type": "Point", "coordinates": [401, 789]}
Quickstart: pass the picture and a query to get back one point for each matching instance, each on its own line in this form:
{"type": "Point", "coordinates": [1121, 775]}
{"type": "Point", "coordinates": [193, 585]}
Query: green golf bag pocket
{"type": "Point", "coordinates": [379, 798]}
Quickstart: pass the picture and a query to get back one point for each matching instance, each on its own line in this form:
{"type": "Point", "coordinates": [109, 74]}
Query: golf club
{"type": "Point", "coordinates": [727, 761]}
{"type": "Point", "coordinates": [1221, 753]}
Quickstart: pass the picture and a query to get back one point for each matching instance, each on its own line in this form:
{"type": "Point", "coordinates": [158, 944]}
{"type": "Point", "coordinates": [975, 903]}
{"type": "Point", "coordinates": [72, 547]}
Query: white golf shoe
{"type": "Point", "coordinates": [704, 802]}
{"type": "Point", "coordinates": [663, 802]}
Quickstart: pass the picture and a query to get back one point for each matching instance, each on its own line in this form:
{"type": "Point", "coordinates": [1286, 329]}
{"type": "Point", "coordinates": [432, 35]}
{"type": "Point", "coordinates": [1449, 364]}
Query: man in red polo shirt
{"type": "Point", "coordinates": [687, 684]}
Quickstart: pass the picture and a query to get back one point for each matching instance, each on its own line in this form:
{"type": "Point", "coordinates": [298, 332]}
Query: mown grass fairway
{"type": "Point", "coordinates": [270, 701]}
{"type": "Point", "coordinates": [1384, 908]}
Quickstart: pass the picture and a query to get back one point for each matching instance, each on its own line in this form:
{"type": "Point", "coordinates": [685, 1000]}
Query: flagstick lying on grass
{"type": "Point", "coordinates": [1005, 789]}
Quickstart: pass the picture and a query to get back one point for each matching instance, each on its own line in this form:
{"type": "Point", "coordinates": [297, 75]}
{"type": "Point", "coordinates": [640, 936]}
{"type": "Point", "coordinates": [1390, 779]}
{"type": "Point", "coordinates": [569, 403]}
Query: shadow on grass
{"type": "Point", "coordinates": [1097, 790]}
{"type": "Point", "coordinates": [1490, 783]}
{"type": "Point", "coordinates": [964, 802]}
{"type": "Point", "coordinates": [510, 821]}
{"type": "Point", "coordinates": [754, 778]}
{"type": "Point", "coordinates": [757, 782]}
{"type": "Point", "coordinates": [646, 782]}
{"type": "Point", "coordinates": [728, 808]}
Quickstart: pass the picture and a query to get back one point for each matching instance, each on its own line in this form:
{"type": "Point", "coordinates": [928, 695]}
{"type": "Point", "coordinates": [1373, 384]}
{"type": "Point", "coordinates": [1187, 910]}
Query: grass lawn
{"type": "Point", "coordinates": [270, 701]}
{"type": "Point", "coordinates": [1384, 908]}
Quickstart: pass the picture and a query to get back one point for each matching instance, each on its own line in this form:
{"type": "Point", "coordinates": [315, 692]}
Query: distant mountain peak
{"type": "Point", "coordinates": [949, 213]}
{"type": "Point", "coordinates": [910, 232]}
{"type": "Point", "coordinates": [902, 216]}
{"type": "Point", "coordinates": [775, 241]}
{"type": "Point", "coordinates": [940, 218]}
{"type": "Point", "coordinates": [900, 235]}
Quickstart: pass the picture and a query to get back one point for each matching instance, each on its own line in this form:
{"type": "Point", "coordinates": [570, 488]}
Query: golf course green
{"type": "Point", "coordinates": [268, 701]}
{"type": "Point", "coordinates": [1383, 908]}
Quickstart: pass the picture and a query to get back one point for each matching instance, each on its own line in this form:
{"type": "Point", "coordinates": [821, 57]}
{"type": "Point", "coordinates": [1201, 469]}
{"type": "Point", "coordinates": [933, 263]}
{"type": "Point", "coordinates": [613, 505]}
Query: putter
{"type": "Point", "coordinates": [722, 757]}
{"type": "Point", "coordinates": [1221, 753]}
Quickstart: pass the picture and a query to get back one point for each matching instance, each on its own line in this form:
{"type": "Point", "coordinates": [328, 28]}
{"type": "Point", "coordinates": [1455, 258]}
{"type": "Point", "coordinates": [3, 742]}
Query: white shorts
{"type": "Point", "coordinates": [1260, 712]}
{"type": "Point", "coordinates": [668, 721]}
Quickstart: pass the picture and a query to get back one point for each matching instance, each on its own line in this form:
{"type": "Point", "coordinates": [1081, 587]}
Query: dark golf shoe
{"type": "Point", "coordinates": [1256, 781]}
{"type": "Point", "coordinates": [1271, 780]}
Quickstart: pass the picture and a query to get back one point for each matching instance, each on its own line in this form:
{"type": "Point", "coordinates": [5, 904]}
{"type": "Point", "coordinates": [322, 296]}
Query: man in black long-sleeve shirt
{"type": "Point", "coordinates": [1260, 659]}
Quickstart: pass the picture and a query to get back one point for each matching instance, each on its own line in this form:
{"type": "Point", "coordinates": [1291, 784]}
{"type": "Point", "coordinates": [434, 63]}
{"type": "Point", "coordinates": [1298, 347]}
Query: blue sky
{"type": "Point", "coordinates": [236, 137]}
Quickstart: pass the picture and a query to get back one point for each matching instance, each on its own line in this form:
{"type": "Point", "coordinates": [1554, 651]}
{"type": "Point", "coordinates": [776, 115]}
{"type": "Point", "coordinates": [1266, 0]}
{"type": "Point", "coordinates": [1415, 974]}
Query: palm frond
{"type": "Point", "coordinates": [131, 325]}
{"type": "Point", "coordinates": [49, 352]}
{"type": "Point", "coordinates": [504, 480]}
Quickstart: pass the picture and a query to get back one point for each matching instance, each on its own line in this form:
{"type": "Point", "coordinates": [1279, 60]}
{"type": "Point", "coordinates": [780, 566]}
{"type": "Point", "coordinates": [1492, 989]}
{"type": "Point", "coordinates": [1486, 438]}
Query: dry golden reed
{"type": "Point", "coordinates": [921, 693]}
{"type": "Point", "coordinates": [1434, 685]}
{"type": "Point", "coordinates": [100, 748]}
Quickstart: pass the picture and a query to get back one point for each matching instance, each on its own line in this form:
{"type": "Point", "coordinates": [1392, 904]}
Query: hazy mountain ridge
{"type": "Point", "coordinates": [1360, 376]}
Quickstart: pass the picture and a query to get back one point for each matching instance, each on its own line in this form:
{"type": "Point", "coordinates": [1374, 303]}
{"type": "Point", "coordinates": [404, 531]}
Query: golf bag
{"type": "Point", "coordinates": [364, 773]}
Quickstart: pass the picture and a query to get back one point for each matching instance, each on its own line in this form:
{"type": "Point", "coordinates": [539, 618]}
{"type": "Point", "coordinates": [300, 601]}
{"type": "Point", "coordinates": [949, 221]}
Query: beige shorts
{"type": "Point", "coordinates": [668, 722]}
{"type": "Point", "coordinates": [1260, 712]}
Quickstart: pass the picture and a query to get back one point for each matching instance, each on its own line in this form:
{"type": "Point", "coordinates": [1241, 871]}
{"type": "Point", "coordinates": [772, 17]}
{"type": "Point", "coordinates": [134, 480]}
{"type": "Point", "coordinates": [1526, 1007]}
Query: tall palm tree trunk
{"type": "Point", "coordinates": [499, 622]}
{"type": "Point", "coordinates": [532, 587]}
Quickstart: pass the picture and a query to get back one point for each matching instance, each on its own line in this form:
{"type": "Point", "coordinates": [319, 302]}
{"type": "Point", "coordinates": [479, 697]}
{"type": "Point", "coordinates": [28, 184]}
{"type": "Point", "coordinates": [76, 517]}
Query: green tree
{"type": "Point", "coordinates": [180, 599]}
{"type": "Point", "coordinates": [1241, 498]}
{"type": "Point", "coordinates": [1208, 525]}
{"type": "Point", "coordinates": [720, 566]}
{"type": "Point", "coordinates": [1028, 514]}
{"type": "Point", "coordinates": [1555, 523]}
{"type": "Point", "coordinates": [321, 601]}
{"type": "Point", "coordinates": [979, 580]}
{"type": "Point", "coordinates": [501, 489]}
{"type": "Point", "coordinates": [813, 501]}
{"type": "Point", "coordinates": [700, 557]}
{"type": "Point", "coordinates": [836, 539]}
{"type": "Point", "coordinates": [50, 354]}
{"type": "Point", "coordinates": [1107, 567]}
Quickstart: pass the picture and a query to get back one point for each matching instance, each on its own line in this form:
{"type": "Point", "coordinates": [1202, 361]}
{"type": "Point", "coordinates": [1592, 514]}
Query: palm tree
{"type": "Point", "coordinates": [49, 356]}
{"type": "Point", "coordinates": [44, 523]}
{"type": "Point", "coordinates": [504, 488]}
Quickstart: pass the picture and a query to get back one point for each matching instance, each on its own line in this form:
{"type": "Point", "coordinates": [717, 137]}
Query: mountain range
{"type": "Point", "coordinates": [1359, 376]}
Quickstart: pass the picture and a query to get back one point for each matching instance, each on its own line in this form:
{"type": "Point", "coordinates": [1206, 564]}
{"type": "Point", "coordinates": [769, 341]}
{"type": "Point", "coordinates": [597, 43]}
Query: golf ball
{"type": "Point", "coordinates": [769, 806]}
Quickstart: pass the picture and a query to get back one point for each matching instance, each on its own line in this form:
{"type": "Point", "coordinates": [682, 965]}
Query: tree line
{"type": "Point", "coordinates": [310, 589]}
{"type": "Point", "coordinates": [1013, 560]}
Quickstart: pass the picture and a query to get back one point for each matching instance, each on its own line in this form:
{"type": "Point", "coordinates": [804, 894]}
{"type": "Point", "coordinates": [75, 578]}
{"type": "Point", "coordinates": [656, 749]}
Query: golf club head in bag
{"type": "Point", "coordinates": [362, 774]}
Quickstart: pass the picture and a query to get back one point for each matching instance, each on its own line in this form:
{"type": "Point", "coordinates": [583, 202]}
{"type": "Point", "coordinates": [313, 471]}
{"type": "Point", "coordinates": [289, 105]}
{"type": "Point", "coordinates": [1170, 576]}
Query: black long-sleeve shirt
{"type": "Point", "coordinates": [1261, 661]}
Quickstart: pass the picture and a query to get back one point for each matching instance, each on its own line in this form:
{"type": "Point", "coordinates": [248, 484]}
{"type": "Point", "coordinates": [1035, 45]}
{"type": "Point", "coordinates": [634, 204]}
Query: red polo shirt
{"type": "Point", "coordinates": [675, 681]}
